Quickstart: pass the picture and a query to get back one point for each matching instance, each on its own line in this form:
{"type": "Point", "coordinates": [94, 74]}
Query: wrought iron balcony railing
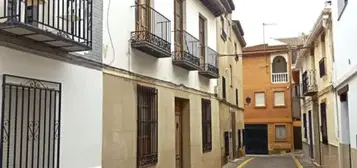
{"type": "Point", "coordinates": [64, 24]}
{"type": "Point", "coordinates": [209, 65]}
{"type": "Point", "coordinates": [187, 54]}
{"type": "Point", "coordinates": [309, 87]}
{"type": "Point", "coordinates": [152, 33]}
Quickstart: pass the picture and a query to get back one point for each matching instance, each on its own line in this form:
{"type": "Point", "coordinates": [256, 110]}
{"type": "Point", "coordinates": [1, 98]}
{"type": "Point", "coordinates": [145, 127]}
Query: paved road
{"type": "Point", "coordinates": [271, 162]}
{"type": "Point", "coordinates": [277, 161]}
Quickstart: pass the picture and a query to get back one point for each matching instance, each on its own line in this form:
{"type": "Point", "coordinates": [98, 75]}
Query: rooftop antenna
{"type": "Point", "coordinates": [266, 24]}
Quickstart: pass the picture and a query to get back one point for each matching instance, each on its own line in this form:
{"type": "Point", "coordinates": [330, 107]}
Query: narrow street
{"type": "Point", "coordinates": [272, 161]}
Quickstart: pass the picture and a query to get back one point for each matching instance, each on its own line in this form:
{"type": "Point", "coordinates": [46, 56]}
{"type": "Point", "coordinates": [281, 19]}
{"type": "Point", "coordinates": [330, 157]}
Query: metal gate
{"type": "Point", "coordinates": [30, 123]}
{"type": "Point", "coordinates": [256, 138]}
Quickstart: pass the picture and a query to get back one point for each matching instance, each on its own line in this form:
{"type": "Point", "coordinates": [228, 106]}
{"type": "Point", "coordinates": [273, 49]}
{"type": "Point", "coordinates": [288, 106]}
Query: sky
{"type": "Point", "coordinates": [290, 18]}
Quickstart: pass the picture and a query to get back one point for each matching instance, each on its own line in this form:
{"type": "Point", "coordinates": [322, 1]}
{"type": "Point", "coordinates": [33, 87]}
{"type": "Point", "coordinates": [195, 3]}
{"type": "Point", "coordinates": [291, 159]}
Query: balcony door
{"type": "Point", "coordinates": [178, 27]}
{"type": "Point", "coordinates": [143, 15]}
{"type": "Point", "coordinates": [202, 34]}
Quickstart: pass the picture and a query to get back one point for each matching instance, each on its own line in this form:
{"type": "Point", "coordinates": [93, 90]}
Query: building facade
{"type": "Point", "coordinates": [345, 69]}
{"type": "Point", "coordinates": [230, 42]}
{"type": "Point", "coordinates": [267, 95]}
{"type": "Point", "coordinates": [51, 83]}
{"type": "Point", "coordinates": [160, 107]}
{"type": "Point", "coordinates": [315, 68]}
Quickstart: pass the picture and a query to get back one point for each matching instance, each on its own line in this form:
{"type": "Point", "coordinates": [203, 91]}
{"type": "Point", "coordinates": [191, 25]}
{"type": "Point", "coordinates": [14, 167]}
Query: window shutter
{"type": "Point", "coordinates": [279, 98]}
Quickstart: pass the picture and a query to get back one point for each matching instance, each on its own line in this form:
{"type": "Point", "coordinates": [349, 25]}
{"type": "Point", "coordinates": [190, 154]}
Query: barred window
{"type": "Point", "coordinates": [206, 125]}
{"type": "Point", "coordinates": [147, 108]}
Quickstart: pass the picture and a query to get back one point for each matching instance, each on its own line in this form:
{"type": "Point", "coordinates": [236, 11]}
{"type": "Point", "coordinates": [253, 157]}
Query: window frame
{"type": "Point", "coordinates": [224, 90]}
{"type": "Point", "coordinates": [255, 101]}
{"type": "Point", "coordinates": [322, 62]}
{"type": "Point", "coordinates": [279, 105]}
{"type": "Point", "coordinates": [223, 31]}
{"type": "Point", "coordinates": [237, 97]}
{"type": "Point", "coordinates": [147, 96]}
{"type": "Point", "coordinates": [324, 125]}
{"type": "Point", "coordinates": [206, 111]}
{"type": "Point", "coordinates": [286, 132]}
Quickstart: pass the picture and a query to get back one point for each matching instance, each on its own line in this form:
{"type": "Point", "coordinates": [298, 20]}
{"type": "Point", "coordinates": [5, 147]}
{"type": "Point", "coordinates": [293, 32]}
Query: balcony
{"type": "Point", "coordinates": [309, 87]}
{"type": "Point", "coordinates": [209, 65]}
{"type": "Point", "coordinates": [280, 77]}
{"type": "Point", "coordinates": [61, 24]}
{"type": "Point", "coordinates": [152, 32]}
{"type": "Point", "coordinates": [187, 54]}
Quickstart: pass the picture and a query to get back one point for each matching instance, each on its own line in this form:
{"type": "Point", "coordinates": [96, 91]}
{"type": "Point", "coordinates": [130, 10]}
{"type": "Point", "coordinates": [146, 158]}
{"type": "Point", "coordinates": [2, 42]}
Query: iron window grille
{"type": "Point", "coordinates": [69, 19]}
{"type": "Point", "coordinates": [206, 125]}
{"type": "Point", "coordinates": [30, 123]}
{"type": "Point", "coordinates": [147, 142]}
{"type": "Point", "coordinates": [308, 81]}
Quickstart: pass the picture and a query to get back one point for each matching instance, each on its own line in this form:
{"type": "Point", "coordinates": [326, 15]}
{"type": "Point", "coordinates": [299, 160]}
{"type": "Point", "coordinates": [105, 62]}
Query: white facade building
{"type": "Point", "coordinates": [51, 97]}
{"type": "Point", "coordinates": [345, 80]}
{"type": "Point", "coordinates": [119, 22]}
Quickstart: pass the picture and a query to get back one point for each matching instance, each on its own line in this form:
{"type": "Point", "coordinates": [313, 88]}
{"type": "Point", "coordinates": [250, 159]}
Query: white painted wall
{"type": "Point", "coordinates": [345, 64]}
{"type": "Point", "coordinates": [81, 125]}
{"type": "Point", "coordinates": [121, 21]}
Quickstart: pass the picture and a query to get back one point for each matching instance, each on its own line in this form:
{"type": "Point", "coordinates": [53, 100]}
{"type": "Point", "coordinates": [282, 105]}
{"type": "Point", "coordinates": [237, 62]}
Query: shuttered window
{"type": "Point", "coordinates": [147, 108]}
{"type": "Point", "coordinates": [206, 125]}
{"type": "Point", "coordinates": [279, 99]}
{"type": "Point", "coordinates": [259, 99]}
{"type": "Point", "coordinates": [280, 132]}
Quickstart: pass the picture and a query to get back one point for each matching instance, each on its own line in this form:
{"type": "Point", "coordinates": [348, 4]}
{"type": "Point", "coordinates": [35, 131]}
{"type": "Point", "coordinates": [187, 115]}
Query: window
{"type": "Point", "coordinates": [260, 99]}
{"type": "Point", "coordinates": [323, 123]}
{"type": "Point", "coordinates": [202, 38]}
{"type": "Point", "coordinates": [223, 34]}
{"type": "Point", "coordinates": [231, 73]}
{"type": "Point", "coordinates": [223, 87]}
{"type": "Point", "coordinates": [243, 135]}
{"type": "Point", "coordinates": [305, 125]}
{"type": "Point", "coordinates": [341, 7]}
{"type": "Point", "coordinates": [226, 143]}
{"type": "Point", "coordinates": [239, 139]}
{"type": "Point", "coordinates": [279, 65]}
{"type": "Point", "coordinates": [322, 67]}
{"type": "Point", "coordinates": [237, 97]}
{"type": "Point", "coordinates": [280, 132]}
{"type": "Point", "coordinates": [147, 108]}
{"type": "Point", "coordinates": [206, 125]}
{"type": "Point", "coordinates": [312, 50]}
{"type": "Point", "coordinates": [279, 98]}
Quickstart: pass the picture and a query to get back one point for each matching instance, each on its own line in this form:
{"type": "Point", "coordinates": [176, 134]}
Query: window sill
{"type": "Point", "coordinates": [281, 140]}
{"type": "Point", "coordinates": [279, 106]}
{"type": "Point", "coordinates": [260, 107]}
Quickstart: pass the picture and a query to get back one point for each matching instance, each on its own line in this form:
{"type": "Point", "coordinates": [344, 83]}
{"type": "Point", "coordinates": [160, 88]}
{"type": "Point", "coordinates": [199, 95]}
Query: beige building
{"type": "Point", "coordinates": [315, 67]}
{"type": "Point", "coordinates": [230, 42]}
{"type": "Point", "coordinates": [160, 109]}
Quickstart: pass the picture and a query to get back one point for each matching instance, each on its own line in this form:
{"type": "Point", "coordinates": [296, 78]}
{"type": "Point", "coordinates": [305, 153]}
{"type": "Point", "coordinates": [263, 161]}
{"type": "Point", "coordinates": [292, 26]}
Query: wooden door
{"type": "Point", "coordinates": [178, 26]}
{"type": "Point", "coordinates": [178, 133]}
{"type": "Point", "coordinates": [202, 39]}
{"type": "Point", "coordinates": [143, 15]}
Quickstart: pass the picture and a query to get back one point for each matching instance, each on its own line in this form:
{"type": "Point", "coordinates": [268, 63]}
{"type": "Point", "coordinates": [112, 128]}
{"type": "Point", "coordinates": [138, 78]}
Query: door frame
{"type": "Point", "coordinates": [311, 146]}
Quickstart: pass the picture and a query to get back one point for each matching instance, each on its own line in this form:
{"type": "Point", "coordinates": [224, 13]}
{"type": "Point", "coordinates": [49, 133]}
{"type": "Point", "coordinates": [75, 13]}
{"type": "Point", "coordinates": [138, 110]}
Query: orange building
{"type": "Point", "coordinates": [267, 93]}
